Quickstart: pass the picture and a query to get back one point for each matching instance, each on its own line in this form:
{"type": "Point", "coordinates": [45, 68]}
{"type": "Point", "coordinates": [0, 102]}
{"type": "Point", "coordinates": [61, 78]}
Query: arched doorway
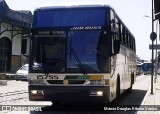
{"type": "Point", "coordinates": [5, 54]}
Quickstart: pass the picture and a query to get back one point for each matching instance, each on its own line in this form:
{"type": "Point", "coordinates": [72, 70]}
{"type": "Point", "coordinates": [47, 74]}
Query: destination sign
{"type": "Point", "coordinates": [62, 32]}
{"type": "Point", "coordinates": [50, 32]}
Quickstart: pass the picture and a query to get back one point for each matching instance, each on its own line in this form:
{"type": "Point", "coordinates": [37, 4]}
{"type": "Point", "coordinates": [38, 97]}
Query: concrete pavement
{"type": "Point", "coordinates": [152, 101]}
{"type": "Point", "coordinates": [16, 93]}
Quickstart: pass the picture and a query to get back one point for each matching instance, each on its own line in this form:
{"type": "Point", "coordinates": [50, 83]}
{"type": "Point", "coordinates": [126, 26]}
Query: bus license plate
{"type": "Point", "coordinates": [47, 77]}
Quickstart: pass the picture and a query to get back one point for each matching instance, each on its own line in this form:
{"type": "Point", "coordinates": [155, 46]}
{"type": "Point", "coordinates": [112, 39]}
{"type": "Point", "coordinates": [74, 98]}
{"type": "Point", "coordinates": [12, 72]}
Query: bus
{"type": "Point", "coordinates": [147, 68]}
{"type": "Point", "coordinates": [80, 54]}
{"type": "Point", "coordinates": [139, 70]}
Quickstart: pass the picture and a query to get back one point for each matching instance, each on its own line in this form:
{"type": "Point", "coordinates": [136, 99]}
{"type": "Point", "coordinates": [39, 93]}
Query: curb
{"type": "Point", "coordinates": [142, 103]}
{"type": "Point", "coordinates": [144, 99]}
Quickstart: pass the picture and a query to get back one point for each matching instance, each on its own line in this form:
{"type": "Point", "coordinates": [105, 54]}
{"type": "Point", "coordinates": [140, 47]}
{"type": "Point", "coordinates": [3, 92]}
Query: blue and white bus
{"type": "Point", "coordinates": [147, 68]}
{"type": "Point", "coordinates": [139, 68]}
{"type": "Point", "coordinates": [80, 54]}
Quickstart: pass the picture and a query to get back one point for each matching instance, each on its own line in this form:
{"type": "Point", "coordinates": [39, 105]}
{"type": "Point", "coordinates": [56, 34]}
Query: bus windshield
{"type": "Point", "coordinates": [71, 52]}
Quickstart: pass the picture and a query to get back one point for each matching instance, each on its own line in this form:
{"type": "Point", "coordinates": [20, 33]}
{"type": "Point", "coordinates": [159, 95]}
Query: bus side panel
{"type": "Point", "coordinates": [124, 66]}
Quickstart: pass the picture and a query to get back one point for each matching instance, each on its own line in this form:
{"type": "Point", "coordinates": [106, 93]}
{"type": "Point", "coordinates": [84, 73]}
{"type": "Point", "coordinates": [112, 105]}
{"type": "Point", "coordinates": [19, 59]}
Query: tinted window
{"type": "Point", "coordinates": [79, 17]}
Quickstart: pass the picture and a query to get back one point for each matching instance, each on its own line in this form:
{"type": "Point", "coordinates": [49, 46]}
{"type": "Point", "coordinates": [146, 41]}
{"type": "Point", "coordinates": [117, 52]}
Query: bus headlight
{"type": "Point", "coordinates": [96, 93]}
{"type": "Point", "coordinates": [99, 93]}
{"type": "Point", "coordinates": [34, 92]}
{"type": "Point", "coordinates": [37, 92]}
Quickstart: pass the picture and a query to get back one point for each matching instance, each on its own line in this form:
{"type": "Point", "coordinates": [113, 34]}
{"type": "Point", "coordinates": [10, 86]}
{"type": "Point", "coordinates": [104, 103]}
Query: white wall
{"type": "Point", "coordinates": [16, 40]}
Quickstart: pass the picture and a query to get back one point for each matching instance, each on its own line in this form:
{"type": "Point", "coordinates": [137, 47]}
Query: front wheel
{"type": "Point", "coordinates": [118, 88]}
{"type": "Point", "coordinates": [116, 101]}
{"type": "Point", "coordinates": [129, 90]}
{"type": "Point", "coordinates": [132, 82]}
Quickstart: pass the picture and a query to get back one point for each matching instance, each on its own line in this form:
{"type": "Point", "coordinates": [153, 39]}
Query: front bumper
{"type": "Point", "coordinates": [70, 94]}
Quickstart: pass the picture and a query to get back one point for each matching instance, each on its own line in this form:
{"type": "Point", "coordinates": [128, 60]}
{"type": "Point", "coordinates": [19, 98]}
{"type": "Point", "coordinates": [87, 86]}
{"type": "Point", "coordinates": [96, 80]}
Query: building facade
{"type": "Point", "coordinates": [14, 37]}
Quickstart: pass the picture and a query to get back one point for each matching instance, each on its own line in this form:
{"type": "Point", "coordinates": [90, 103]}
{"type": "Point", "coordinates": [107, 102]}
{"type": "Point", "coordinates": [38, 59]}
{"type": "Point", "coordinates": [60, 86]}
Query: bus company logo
{"type": "Point", "coordinates": [6, 108]}
{"type": "Point", "coordinates": [86, 28]}
{"type": "Point", "coordinates": [65, 82]}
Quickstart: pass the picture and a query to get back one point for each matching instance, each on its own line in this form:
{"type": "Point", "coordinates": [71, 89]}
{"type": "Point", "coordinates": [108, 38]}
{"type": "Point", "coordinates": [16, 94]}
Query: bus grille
{"type": "Point", "coordinates": [69, 81]}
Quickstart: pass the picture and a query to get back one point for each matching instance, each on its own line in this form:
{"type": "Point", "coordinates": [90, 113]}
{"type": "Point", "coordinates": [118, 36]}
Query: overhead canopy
{"type": "Point", "coordinates": [19, 18]}
{"type": "Point", "coordinates": [157, 6]}
{"type": "Point", "coordinates": [157, 9]}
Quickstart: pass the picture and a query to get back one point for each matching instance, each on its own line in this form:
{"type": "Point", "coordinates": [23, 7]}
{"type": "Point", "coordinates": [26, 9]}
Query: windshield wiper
{"type": "Point", "coordinates": [81, 66]}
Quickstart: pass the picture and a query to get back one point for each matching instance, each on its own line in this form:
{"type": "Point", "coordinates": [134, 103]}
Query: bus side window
{"type": "Point", "coordinates": [134, 45]}
{"type": "Point", "coordinates": [122, 41]}
{"type": "Point", "coordinates": [120, 32]}
{"type": "Point", "coordinates": [117, 29]}
{"type": "Point", "coordinates": [129, 40]}
{"type": "Point", "coordinates": [102, 53]}
{"type": "Point", "coordinates": [124, 33]}
{"type": "Point", "coordinates": [126, 38]}
{"type": "Point", "coordinates": [112, 19]}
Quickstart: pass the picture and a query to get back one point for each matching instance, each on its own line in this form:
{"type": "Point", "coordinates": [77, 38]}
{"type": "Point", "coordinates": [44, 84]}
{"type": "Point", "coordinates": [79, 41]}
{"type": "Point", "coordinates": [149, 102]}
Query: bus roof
{"type": "Point", "coordinates": [70, 7]}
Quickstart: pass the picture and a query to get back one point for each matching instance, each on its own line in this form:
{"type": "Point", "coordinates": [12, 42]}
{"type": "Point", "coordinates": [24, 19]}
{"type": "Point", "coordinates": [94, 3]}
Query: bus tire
{"type": "Point", "coordinates": [132, 78]}
{"type": "Point", "coordinates": [129, 90]}
{"type": "Point", "coordinates": [132, 82]}
{"type": "Point", "coordinates": [118, 90]}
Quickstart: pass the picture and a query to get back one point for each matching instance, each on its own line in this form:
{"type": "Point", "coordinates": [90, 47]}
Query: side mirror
{"type": "Point", "coordinates": [116, 47]}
